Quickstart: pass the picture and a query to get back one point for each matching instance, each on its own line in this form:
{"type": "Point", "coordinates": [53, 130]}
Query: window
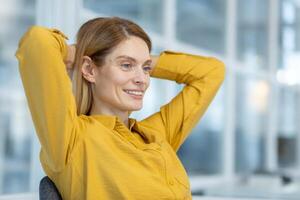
{"type": "Point", "coordinates": [252, 33]}
{"type": "Point", "coordinates": [144, 12]}
{"type": "Point", "coordinates": [288, 118]}
{"type": "Point", "coordinates": [15, 121]}
{"type": "Point", "coordinates": [202, 23]}
{"type": "Point", "coordinates": [252, 99]}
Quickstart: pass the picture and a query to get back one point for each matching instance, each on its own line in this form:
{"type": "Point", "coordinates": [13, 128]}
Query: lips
{"type": "Point", "coordinates": [137, 94]}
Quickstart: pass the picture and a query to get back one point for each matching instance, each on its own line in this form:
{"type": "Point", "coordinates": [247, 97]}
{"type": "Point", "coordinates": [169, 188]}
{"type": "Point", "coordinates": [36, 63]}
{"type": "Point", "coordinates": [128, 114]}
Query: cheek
{"type": "Point", "coordinates": [148, 82]}
{"type": "Point", "coordinates": [112, 85]}
{"type": "Point", "coordinates": [121, 79]}
{"type": "Point", "coordinates": [103, 86]}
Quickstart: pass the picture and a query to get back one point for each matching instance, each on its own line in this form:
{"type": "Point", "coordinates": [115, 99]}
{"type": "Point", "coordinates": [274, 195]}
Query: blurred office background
{"type": "Point", "coordinates": [248, 142]}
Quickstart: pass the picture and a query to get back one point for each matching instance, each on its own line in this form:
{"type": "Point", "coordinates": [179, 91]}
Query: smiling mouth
{"type": "Point", "coordinates": [135, 93]}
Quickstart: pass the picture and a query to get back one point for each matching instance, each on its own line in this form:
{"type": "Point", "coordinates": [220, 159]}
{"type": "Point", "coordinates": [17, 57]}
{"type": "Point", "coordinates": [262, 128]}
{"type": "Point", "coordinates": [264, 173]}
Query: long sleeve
{"type": "Point", "coordinates": [49, 93]}
{"type": "Point", "coordinates": [202, 77]}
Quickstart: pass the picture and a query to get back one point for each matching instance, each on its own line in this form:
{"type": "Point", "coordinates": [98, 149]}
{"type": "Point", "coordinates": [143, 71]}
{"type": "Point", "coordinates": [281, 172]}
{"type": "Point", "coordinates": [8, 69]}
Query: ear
{"type": "Point", "coordinates": [88, 69]}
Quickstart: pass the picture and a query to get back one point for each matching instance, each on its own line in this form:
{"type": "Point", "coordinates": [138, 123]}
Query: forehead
{"type": "Point", "coordinates": [133, 47]}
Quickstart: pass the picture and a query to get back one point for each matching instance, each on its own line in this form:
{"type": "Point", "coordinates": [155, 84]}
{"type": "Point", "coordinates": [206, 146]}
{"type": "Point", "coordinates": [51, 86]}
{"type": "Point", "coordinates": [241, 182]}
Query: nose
{"type": "Point", "coordinates": [140, 77]}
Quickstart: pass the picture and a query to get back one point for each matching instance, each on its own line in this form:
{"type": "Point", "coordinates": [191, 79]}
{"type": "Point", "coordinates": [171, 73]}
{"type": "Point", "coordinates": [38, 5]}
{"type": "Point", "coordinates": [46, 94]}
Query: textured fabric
{"type": "Point", "coordinates": [98, 157]}
{"type": "Point", "coordinates": [48, 190]}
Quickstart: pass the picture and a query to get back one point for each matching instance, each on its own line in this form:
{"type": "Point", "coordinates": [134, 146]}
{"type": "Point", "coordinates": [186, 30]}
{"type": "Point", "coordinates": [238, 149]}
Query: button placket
{"type": "Point", "coordinates": [169, 178]}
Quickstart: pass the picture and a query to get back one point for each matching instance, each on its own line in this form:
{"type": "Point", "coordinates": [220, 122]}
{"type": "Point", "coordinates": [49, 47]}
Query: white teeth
{"type": "Point", "coordinates": [134, 92]}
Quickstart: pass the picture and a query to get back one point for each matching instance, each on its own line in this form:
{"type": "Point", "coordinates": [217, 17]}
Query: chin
{"type": "Point", "coordinates": [135, 108]}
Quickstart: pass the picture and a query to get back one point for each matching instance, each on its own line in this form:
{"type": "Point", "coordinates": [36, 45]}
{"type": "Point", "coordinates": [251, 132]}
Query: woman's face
{"type": "Point", "coordinates": [121, 83]}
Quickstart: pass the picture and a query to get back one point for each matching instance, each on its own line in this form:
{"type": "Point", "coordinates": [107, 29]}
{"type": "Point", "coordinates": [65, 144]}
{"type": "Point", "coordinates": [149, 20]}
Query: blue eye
{"type": "Point", "coordinates": [126, 66]}
{"type": "Point", "coordinates": [147, 69]}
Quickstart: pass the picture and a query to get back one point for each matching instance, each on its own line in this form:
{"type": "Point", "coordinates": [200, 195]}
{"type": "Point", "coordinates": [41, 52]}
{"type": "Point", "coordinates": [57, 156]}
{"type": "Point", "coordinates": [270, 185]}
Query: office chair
{"type": "Point", "coordinates": [48, 190]}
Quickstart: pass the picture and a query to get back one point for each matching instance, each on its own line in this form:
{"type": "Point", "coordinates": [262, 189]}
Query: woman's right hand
{"type": "Point", "coordinates": [69, 60]}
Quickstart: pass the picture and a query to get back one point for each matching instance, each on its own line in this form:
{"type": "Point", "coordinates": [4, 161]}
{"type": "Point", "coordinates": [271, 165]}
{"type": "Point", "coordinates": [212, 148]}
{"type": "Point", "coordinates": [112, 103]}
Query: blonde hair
{"type": "Point", "coordinates": [96, 38]}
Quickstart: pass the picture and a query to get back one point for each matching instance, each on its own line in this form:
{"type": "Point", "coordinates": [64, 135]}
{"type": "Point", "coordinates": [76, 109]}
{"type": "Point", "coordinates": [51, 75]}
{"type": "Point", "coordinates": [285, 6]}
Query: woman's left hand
{"type": "Point", "coordinates": [69, 60]}
{"type": "Point", "coordinates": [154, 61]}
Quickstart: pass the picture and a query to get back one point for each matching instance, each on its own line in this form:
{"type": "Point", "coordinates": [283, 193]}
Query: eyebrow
{"type": "Point", "coordinates": [132, 59]}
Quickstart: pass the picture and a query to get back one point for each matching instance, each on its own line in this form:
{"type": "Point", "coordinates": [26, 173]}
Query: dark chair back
{"type": "Point", "coordinates": [48, 190]}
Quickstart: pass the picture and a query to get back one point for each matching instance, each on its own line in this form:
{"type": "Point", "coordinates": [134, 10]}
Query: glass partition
{"type": "Point", "coordinates": [288, 118]}
{"type": "Point", "coordinates": [144, 12]}
{"type": "Point", "coordinates": [16, 128]}
{"type": "Point", "coordinates": [202, 24]}
{"type": "Point", "coordinates": [252, 99]}
{"type": "Point", "coordinates": [252, 33]}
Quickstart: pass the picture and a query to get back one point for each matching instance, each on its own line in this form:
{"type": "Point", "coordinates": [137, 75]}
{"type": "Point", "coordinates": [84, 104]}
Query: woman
{"type": "Point", "coordinates": [90, 147]}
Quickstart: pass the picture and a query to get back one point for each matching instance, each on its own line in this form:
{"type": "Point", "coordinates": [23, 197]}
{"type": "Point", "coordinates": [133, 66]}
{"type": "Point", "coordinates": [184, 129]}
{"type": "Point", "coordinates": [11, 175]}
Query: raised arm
{"type": "Point", "coordinates": [202, 77]}
{"type": "Point", "coordinates": [48, 89]}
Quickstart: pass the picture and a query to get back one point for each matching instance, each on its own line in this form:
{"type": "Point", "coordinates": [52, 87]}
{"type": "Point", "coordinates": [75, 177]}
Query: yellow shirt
{"type": "Point", "coordinates": [98, 157]}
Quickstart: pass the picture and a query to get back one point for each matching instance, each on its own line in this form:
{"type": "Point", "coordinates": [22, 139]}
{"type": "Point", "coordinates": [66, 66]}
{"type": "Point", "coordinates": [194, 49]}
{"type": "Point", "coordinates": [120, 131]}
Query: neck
{"type": "Point", "coordinates": [101, 109]}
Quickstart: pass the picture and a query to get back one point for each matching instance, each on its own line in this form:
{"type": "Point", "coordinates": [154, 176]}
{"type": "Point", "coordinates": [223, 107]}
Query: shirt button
{"type": "Point", "coordinates": [158, 148]}
{"type": "Point", "coordinates": [171, 182]}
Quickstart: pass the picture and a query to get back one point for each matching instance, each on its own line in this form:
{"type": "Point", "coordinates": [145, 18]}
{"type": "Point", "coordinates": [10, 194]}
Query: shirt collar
{"type": "Point", "coordinates": [110, 121]}
{"type": "Point", "coordinates": [132, 122]}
